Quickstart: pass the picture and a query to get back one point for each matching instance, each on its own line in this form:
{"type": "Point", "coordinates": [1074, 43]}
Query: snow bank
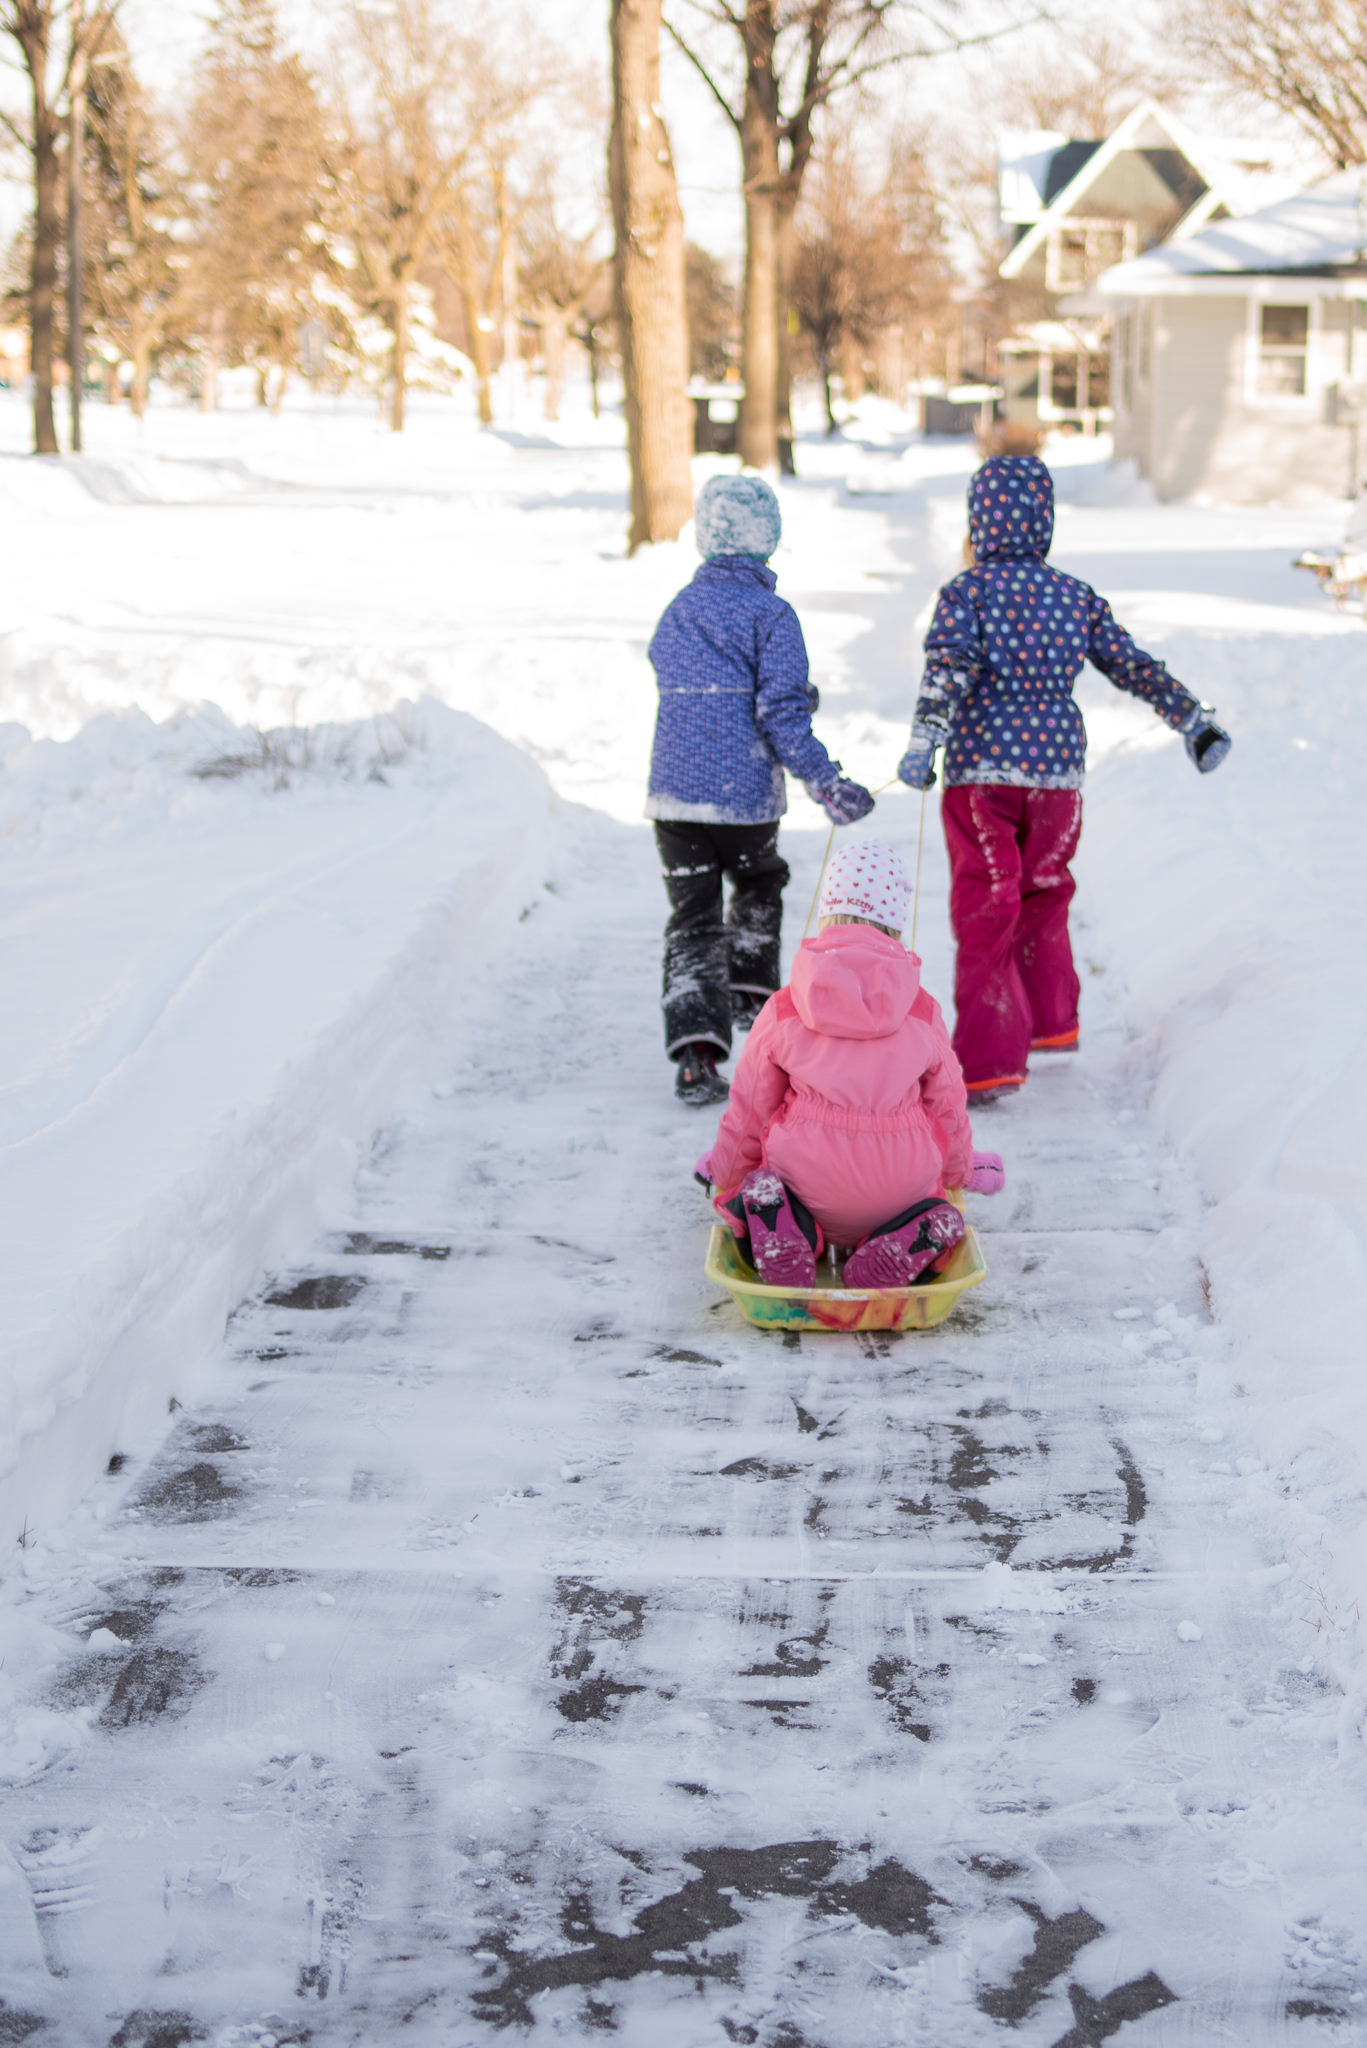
{"type": "Point", "coordinates": [236, 957]}
{"type": "Point", "coordinates": [1234, 907]}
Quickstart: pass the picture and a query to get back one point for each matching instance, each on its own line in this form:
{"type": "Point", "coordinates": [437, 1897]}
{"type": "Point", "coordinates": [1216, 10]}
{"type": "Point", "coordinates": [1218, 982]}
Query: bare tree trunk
{"type": "Point", "coordinates": [479, 354]}
{"type": "Point", "coordinates": [47, 233]}
{"type": "Point", "coordinates": [142, 375]}
{"type": "Point", "coordinates": [476, 332]}
{"type": "Point", "coordinates": [554, 327]}
{"type": "Point", "coordinates": [208, 389]}
{"type": "Point", "coordinates": [786, 327]}
{"type": "Point", "coordinates": [852, 368]}
{"type": "Point", "coordinates": [759, 317]}
{"type": "Point", "coordinates": [591, 350]}
{"type": "Point", "coordinates": [75, 247]}
{"type": "Point", "coordinates": [511, 337]}
{"type": "Point", "coordinates": [401, 340]}
{"type": "Point", "coordinates": [507, 290]}
{"type": "Point", "coordinates": [648, 280]}
{"type": "Point", "coordinates": [824, 359]}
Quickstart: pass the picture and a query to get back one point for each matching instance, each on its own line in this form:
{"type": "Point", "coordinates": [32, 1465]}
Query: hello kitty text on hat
{"type": "Point", "coordinates": [867, 880]}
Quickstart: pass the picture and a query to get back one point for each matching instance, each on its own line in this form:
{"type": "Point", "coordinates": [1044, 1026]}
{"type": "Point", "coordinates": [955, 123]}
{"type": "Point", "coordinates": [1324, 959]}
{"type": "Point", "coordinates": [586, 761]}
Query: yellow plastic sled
{"type": "Point", "coordinates": [829, 1306]}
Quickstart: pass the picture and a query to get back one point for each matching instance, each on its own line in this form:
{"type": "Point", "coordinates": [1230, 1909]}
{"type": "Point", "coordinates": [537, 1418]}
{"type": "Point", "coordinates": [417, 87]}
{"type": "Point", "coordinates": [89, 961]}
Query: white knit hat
{"type": "Point", "coordinates": [867, 880]}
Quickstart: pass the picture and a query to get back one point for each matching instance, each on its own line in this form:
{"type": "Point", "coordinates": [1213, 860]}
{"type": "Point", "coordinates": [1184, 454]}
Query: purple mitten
{"type": "Point", "coordinates": [988, 1176]}
{"type": "Point", "coordinates": [702, 1172]}
{"type": "Point", "coordinates": [843, 801]}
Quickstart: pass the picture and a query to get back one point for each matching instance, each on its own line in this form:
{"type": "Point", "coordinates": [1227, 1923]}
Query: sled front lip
{"type": "Point", "coordinates": [828, 1306]}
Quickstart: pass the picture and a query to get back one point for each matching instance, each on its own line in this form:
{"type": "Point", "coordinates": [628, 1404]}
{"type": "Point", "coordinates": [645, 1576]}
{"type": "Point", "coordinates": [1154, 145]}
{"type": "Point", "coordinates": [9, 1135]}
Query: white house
{"type": "Point", "coordinates": [1240, 353]}
{"type": "Point", "coordinates": [1070, 209]}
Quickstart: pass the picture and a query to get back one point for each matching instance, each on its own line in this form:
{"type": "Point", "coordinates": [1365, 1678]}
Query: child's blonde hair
{"type": "Point", "coordinates": [848, 917]}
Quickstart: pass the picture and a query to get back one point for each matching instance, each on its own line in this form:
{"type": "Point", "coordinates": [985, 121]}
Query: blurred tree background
{"type": "Point", "coordinates": [449, 195]}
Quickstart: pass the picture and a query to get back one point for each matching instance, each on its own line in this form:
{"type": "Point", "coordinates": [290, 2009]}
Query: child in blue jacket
{"type": "Point", "coordinates": [735, 712]}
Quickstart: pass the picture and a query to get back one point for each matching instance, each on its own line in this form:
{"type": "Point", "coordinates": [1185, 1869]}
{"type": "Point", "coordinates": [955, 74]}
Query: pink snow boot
{"type": "Point", "coordinates": [896, 1254]}
{"type": "Point", "coordinates": [785, 1238]}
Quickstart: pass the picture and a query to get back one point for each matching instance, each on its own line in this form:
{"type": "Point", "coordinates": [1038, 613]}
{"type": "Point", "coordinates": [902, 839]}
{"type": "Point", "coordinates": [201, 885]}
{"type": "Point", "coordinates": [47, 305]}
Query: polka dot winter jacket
{"type": "Point", "coordinates": [1008, 641]}
{"type": "Point", "coordinates": [735, 710]}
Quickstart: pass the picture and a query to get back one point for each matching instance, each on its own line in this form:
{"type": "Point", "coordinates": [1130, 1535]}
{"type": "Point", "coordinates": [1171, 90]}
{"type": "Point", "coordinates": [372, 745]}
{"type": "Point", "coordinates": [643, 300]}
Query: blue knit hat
{"type": "Point", "coordinates": [737, 515]}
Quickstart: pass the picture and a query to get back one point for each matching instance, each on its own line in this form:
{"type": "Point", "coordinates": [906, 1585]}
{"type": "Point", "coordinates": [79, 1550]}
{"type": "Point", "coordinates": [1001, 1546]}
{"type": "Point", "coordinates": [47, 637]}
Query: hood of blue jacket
{"type": "Point", "coordinates": [735, 568]}
{"type": "Point", "coordinates": [1011, 508]}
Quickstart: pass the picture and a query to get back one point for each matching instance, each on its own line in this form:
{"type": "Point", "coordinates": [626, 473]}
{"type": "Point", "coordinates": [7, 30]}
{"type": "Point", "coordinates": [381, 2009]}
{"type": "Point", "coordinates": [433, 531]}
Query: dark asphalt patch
{"type": "Point", "coordinates": [889, 1898]}
{"type": "Point", "coordinates": [1052, 1953]}
{"type": "Point", "coordinates": [321, 1291]}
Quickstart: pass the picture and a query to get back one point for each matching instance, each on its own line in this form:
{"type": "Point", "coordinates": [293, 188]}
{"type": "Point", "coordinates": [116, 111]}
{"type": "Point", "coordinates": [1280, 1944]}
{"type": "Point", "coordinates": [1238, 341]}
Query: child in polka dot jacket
{"type": "Point", "coordinates": [1005, 648]}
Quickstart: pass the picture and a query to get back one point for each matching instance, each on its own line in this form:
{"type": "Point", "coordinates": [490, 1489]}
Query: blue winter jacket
{"type": "Point", "coordinates": [1008, 641]}
{"type": "Point", "coordinates": [731, 664]}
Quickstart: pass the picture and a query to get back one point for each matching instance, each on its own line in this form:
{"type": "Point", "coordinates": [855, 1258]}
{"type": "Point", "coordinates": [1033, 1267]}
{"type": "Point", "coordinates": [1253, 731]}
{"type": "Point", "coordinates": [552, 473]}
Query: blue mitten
{"type": "Point", "coordinates": [1207, 744]}
{"type": "Point", "coordinates": [917, 766]}
{"type": "Point", "coordinates": [843, 801]}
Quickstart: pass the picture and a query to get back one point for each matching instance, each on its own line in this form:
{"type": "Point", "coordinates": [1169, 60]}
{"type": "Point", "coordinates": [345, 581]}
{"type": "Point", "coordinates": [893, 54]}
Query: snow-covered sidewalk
{"type": "Point", "coordinates": [512, 1639]}
{"type": "Point", "coordinates": [504, 1635]}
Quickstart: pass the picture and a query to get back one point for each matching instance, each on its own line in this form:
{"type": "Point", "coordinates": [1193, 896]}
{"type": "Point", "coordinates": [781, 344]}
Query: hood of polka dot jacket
{"type": "Point", "coordinates": [1008, 642]}
{"type": "Point", "coordinates": [731, 664]}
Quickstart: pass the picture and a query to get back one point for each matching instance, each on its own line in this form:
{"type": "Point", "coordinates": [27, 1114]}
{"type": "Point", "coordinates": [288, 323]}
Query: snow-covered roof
{"type": "Point", "coordinates": [1043, 177]}
{"type": "Point", "coordinates": [1321, 231]}
{"type": "Point", "coordinates": [1057, 336]}
{"type": "Point", "coordinates": [1248, 174]}
{"type": "Point", "coordinates": [1033, 166]}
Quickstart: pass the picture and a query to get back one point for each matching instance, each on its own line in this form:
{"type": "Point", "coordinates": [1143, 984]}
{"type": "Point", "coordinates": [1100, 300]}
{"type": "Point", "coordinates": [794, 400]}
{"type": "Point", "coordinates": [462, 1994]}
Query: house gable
{"type": "Point", "coordinates": [1145, 178]}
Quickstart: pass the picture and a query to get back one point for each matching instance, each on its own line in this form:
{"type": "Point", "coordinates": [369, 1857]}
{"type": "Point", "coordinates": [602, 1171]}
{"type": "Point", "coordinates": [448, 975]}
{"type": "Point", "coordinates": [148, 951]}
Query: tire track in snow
{"type": "Point", "coordinates": [517, 1643]}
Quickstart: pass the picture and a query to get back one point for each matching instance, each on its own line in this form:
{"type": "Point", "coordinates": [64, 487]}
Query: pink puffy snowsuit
{"type": "Point", "coordinates": [848, 1088]}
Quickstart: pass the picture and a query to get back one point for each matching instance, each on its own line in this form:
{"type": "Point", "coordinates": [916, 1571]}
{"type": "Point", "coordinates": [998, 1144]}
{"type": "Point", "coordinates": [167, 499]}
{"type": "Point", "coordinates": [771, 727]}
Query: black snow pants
{"type": "Point", "coordinates": [708, 956]}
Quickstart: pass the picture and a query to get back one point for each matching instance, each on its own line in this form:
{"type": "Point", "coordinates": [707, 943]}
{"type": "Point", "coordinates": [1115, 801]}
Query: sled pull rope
{"type": "Point", "coordinates": [830, 841]}
{"type": "Point", "coordinates": [916, 892]}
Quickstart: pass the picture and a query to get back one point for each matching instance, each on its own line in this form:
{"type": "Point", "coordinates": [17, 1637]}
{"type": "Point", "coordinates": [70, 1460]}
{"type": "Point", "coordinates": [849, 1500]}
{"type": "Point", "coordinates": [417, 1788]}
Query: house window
{"type": "Point", "coordinates": [1080, 250]}
{"type": "Point", "coordinates": [1283, 352]}
{"type": "Point", "coordinates": [1063, 383]}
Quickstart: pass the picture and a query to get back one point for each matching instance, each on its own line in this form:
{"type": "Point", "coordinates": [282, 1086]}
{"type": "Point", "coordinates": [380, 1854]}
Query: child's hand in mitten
{"type": "Point", "coordinates": [917, 766]}
{"type": "Point", "coordinates": [1206, 742]}
{"type": "Point", "coordinates": [988, 1176]}
{"type": "Point", "coordinates": [702, 1172]}
{"type": "Point", "coordinates": [843, 801]}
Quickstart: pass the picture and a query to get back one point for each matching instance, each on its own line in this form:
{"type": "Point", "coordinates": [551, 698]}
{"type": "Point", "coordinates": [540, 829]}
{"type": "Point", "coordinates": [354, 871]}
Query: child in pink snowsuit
{"type": "Point", "coordinates": [1005, 648]}
{"type": "Point", "coordinates": [847, 1116]}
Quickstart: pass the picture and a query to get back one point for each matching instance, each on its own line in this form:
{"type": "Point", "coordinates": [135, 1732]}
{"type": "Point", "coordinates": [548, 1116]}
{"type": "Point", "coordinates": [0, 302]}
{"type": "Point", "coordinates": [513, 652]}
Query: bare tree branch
{"type": "Point", "coordinates": [1306, 57]}
{"type": "Point", "coordinates": [704, 74]}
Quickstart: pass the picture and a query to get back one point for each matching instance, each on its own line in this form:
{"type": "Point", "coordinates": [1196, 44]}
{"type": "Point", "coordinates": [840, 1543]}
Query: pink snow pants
{"type": "Point", "coordinates": [1014, 982]}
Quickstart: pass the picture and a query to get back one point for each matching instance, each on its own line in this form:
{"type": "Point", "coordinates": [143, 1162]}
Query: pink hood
{"type": "Point", "coordinates": [851, 981]}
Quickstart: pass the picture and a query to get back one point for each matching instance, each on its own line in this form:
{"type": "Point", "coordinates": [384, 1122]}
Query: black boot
{"type": "Point", "coordinates": [698, 1081]}
{"type": "Point", "coordinates": [746, 1004]}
